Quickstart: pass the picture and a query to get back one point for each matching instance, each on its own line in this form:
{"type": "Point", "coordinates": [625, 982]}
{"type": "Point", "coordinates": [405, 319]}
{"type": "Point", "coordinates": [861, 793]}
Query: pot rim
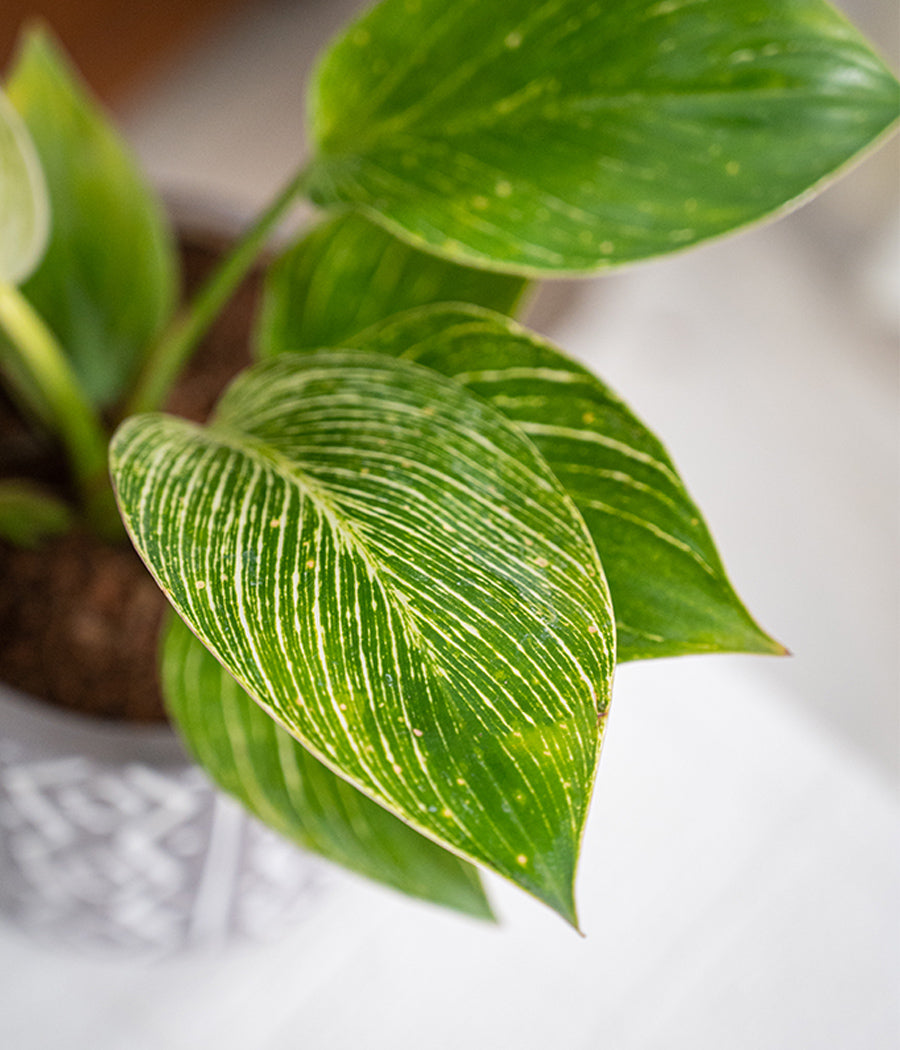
{"type": "Point", "coordinates": [36, 725]}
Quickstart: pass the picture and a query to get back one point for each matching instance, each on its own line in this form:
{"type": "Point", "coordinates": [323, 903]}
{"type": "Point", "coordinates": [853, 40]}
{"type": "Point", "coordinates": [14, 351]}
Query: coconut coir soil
{"type": "Point", "coordinates": [79, 619]}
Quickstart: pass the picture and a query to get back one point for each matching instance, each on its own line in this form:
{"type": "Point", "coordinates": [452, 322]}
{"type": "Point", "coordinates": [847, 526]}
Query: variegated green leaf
{"type": "Point", "coordinates": [108, 279]}
{"type": "Point", "coordinates": [546, 136]}
{"type": "Point", "coordinates": [349, 273]}
{"type": "Point", "coordinates": [668, 585]}
{"type": "Point", "coordinates": [391, 570]}
{"type": "Point", "coordinates": [24, 206]}
{"type": "Point", "coordinates": [248, 755]}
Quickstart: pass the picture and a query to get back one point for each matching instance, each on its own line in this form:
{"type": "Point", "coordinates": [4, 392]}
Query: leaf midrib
{"type": "Point", "coordinates": [267, 456]}
{"type": "Point", "coordinates": [414, 121]}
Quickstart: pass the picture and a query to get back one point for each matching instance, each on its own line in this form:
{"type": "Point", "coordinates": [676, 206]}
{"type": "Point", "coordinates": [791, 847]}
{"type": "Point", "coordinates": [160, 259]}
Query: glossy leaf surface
{"type": "Point", "coordinates": [24, 206]}
{"type": "Point", "coordinates": [397, 576]}
{"type": "Point", "coordinates": [252, 758]}
{"type": "Point", "coordinates": [669, 589]}
{"type": "Point", "coordinates": [349, 273]}
{"type": "Point", "coordinates": [571, 135]}
{"type": "Point", "coordinates": [107, 281]}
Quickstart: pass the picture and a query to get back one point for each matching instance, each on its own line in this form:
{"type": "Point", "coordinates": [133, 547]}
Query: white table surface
{"type": "Point", "coordinates": [740, 872]}
{"type": "Point", "coordinates": [738, 889]}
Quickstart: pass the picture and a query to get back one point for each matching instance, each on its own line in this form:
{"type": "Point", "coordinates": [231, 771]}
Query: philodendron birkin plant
{"type": "Point", "coordinates": [408, 549]}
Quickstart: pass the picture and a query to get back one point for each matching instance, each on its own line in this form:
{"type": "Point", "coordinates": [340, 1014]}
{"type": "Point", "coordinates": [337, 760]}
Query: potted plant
{"type": "Point", "coordinates": [414, 538]}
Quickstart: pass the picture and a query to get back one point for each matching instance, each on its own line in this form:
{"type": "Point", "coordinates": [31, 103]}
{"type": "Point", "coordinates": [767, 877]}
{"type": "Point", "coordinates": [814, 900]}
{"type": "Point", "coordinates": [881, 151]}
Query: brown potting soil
{"type": "Point", "coordinates": [79, 619]}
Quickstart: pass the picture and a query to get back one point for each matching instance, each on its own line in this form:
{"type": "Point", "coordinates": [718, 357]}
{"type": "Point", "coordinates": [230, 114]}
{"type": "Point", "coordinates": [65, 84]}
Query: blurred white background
{"type": "Point", "coordinates": [740, 876]}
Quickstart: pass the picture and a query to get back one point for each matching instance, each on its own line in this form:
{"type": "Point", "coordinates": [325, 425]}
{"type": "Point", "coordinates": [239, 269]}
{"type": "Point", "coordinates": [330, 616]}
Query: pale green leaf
{"type": "Point", "coordinates": [29, 513]}
{"type": "Point", "coordinates": [669, 589]}
{"type": "Point", "coordinates": [389, 567]}
{"type": "Point", "coordinates": [348, 274]}
{"type": "Point", "coordinates": [24, 206]}
{"type": "Point", "coordinates": [248, 755]}
{"type": "Point", "coordinates": [108, 279]}
{"type": "Point", "coordinates": [548, 136]}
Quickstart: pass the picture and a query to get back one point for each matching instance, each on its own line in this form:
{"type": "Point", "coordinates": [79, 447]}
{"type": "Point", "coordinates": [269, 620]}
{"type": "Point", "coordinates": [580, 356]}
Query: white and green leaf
{"type": "Point", "coordinates": [107, 281]}
{"type": "Point", "coordinates": [389, 567]}
{"type": "Point", "coordinates": [348, 274]}
{"type": "Point", "coordinates": [669, 588]}
{"type": "Point", "coordinates": [250, 756]}
{"type": "Point", "coordinates": [570, 136]}
{"type": "Point", "coordinates": [24, 204]}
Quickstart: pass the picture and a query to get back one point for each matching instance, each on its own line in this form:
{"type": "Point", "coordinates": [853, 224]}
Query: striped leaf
{"type": "Point", "coordinates": [548, 136]}
{"type": "Point", "coordinates": [668, 585]}
{"type": "Point", "coordinates": [24, 206]}
{"type": "Point", "coordinates": [349, 274]}
{"type": "Point", "coordinates": [248, 755]}
{"type": "Point", "coordinates": [395, 574]}
{"type": "Point", "coordinates": [107, 281]}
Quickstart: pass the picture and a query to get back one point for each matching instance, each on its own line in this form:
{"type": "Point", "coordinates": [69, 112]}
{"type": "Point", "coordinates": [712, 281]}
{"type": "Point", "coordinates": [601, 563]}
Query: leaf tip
{"type": "Point", "coordinates": [762, 643]}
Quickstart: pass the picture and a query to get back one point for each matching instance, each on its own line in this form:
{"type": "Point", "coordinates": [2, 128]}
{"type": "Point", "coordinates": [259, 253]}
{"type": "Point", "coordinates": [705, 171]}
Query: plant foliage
{"type": "Point", "coordinates": [566, 136]}
{"type": "Point", "coordinates": [106, 284]}
{"type": "Point", "coordinates": [414, 539]}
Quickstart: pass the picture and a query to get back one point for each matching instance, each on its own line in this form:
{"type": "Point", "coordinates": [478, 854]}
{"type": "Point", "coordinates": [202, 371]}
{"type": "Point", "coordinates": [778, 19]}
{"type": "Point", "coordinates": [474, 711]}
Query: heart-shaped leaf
{"type": "Point", "coordinates": [391, 569]}
{"type": "Point", "coordinates": [668, 585]}
{"type": "Point", "coordinates": [349, 274]}
{"type": "Point", "coordinates": [24, 205]}
{"type": "Point", "coordinates": [107, 281]}
{"type": "Point", "coordinates": [576, 135]}
{"type": "Point", "coordinates": [248, 755]}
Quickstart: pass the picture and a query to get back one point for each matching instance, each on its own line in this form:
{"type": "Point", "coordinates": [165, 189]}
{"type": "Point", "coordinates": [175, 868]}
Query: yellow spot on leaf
{"type": "Point", "coordinates": [503, 189]}
{"type": "Point", "coordinates": [513, 40]}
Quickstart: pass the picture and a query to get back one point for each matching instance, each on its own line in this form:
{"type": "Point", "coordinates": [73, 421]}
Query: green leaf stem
{"type": "Point", "coordinates": [250, 756]}
{"type": "Point", "coordinates": [394, 573]}
{"type": "Point", "coordinates": [669, 589]}
{"type": "Point", "coordinates": [573, 135]}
